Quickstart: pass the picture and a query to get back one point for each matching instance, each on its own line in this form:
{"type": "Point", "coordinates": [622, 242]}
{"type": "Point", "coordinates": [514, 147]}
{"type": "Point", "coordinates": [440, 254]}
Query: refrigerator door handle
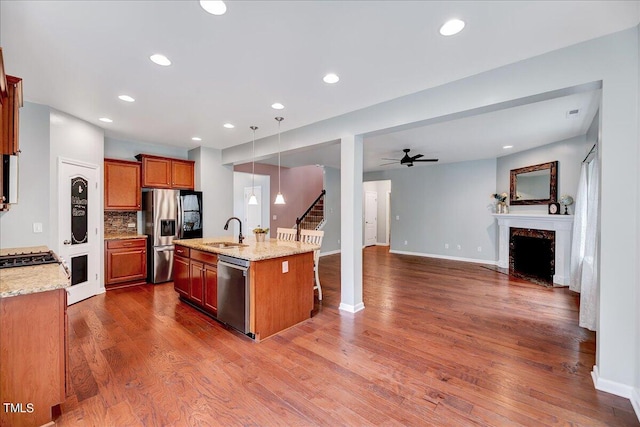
{"type": "Point", "coordinates": [180, 229]}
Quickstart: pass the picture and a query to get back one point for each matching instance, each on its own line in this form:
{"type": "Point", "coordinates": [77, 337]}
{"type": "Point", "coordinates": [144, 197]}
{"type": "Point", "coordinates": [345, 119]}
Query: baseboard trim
{"type": "Point", "coordinates": [382, 244]}
{"type": "Point", "coordinates": [451, 258]}
{"type": "Point", "coordinates": [635, 401]}
{"type": "Point", "coordinates": [351, 308]}
{"type": "Point", "coordinates": [337, 251]}
{"type": "Point", "coordinates": [609, 386]}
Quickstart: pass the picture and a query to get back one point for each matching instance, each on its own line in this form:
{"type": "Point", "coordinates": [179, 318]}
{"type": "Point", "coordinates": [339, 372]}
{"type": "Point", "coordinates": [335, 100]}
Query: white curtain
{"type": "Point", "coordinates": [584, 247]}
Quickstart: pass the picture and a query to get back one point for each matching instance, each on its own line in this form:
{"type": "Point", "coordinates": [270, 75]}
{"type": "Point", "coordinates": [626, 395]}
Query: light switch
{"type": "Point", "coordinates": [397, 217]}
{"type": "Point", "coordinates": [37, 227]}
{"type": "Point", "coordinates": [285, 266]}
{"type": "Point", "coordinates": [275, 217]}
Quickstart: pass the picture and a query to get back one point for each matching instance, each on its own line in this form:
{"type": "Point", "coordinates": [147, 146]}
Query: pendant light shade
{"type": "Point", "coordinates": [253, 200]}
{"type": "Point", "coordinates": [279, 196]}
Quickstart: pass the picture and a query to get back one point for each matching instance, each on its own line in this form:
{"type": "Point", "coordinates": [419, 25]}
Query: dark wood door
{"type": "Point", "coordinates": [182, 174]}
{"type": "Point", "coordinates": [211, 288]}
{"type": "Point", "coordinates": [156, 172]}
{"type": "Point", "coordinates": [122, 191]}
{"type": "Point", "coordinates": [181, 278]}
{"type": "Point", "coordinates": [197, 282]}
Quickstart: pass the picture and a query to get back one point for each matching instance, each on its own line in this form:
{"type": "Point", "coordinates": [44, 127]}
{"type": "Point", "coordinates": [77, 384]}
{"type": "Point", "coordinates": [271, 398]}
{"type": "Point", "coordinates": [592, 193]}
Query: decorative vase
{"type": "Point", "coordinates": [260, 237]}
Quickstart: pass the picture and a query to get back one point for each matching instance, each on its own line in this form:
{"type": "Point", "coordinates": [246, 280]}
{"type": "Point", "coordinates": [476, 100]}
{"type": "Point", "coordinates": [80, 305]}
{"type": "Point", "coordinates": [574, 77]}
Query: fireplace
{"type": "Point", "coordinates": [542, 232]}
{"type": "Point", "coordinates": [532, 254]}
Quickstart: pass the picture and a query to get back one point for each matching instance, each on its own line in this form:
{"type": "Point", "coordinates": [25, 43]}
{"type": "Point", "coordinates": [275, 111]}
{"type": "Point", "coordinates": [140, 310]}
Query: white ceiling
{"type": "Point", "coordinates": [78, 56]}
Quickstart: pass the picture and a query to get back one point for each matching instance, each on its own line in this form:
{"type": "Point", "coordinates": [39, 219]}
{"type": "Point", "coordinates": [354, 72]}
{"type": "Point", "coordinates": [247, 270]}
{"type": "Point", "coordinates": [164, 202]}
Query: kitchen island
{"type": "Point", "coordinates": [33, 340]}
{"type": "Point", "coordinates": [280, 280]}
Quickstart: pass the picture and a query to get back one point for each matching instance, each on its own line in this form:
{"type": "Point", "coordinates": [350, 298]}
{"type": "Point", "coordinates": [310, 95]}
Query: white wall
{"type": "Point", "coordinates": [16, 225]}
{"type": "Point", "coordinates": [242, 180]}
{"type": "Point", "coordinates": [443, 204]}
{"type": "Point", "coordinates": [127, 150]}
{"type": "Point", "coordinates": [72, 138]}
{"type": "Point", "coordinates": [611, 60]}
{"type": "Point", "coordinates": [216, 183]}
{"type": "Point", "coordinates": [569, 154]}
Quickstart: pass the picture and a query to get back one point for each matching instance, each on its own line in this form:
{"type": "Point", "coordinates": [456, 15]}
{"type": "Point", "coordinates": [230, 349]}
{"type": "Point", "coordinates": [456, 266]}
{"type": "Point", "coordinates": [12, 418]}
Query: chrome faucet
{"type": "Point", "coordinates": [226, 227]}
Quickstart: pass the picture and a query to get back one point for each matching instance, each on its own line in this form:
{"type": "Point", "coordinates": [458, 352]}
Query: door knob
{"type": "Point", "coordinates": [67, 242]}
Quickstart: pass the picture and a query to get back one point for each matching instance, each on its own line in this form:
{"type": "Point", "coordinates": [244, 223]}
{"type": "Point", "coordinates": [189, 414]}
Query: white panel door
{"type": "Point", "coordinates": [253, 213]}
{"type": "Point", "coordinates": [78, 217]}
{"type": "Point", "coordinates": [370, 218]}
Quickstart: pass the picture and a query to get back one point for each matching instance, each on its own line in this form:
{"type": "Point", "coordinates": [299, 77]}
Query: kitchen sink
{"type": "Point", "coordinates": [225, 245]}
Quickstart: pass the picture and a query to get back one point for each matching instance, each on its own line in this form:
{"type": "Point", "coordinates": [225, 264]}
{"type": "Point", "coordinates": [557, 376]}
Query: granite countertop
{"type": "Point", "coordinates": [253, 251]}
{"type": "Point", "coordinates": [29, 280]}
{"type": "Point", "coordinates": [124, 236]}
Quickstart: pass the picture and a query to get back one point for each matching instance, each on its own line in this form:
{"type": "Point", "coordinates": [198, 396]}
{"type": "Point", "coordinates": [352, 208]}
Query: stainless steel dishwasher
{"type": "Point", "coordinates": [233, 292]}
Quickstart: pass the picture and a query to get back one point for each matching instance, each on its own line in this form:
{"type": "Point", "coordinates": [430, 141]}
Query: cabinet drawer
{"type": "Point", "coordinates": [126, 243]}
{"type": "Point", "coordinates": [182, 251]}
{"type": "Point", "coordinates": [207, 257]}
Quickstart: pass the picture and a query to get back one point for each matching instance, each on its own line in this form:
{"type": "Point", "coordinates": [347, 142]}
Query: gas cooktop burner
{"type": "Point", "coordinates": [26, 260]}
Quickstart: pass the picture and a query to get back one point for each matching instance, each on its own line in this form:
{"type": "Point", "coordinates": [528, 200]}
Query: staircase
{"type": "Point", "coordinates": [313, 218]}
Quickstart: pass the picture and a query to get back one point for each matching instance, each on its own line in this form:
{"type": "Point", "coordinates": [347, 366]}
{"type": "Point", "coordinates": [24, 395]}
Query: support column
{"type": "Point", "coordinates": [351, 150]}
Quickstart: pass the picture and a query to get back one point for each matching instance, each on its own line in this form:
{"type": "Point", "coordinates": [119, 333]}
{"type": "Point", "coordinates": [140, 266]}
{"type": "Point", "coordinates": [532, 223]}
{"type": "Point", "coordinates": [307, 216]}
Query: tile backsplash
{"type": "Point", "coordinates": [116, 223]}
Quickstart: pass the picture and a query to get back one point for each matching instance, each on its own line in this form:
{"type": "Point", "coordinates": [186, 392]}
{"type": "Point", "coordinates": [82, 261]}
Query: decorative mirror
{"type": "Point", "coordinates": [534, 185]}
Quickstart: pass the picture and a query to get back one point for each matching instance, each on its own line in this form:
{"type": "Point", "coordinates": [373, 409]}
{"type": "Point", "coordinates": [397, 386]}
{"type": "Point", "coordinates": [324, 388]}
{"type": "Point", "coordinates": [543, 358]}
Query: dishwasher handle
{"type": "Point", "coordinates": [237, 267]}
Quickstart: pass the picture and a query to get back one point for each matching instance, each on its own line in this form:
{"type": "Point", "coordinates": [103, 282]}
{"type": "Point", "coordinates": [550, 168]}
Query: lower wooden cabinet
{"type": "Point", "coordinates": [33, 357]}
{"type": "Point", "coordinates": [195, 277]}
{"type": "Point", "coordinates": [126, 262]}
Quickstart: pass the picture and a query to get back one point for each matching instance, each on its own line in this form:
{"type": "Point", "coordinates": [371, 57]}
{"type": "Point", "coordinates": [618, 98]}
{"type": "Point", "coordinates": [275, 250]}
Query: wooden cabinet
{"type": "Point", "coordinates": [122, 189]}
{"type": "Point", "coordinates": [10, 103]}
{"type": "Point", "coordinates": [164, 172]}
{"type": "Point", "coordinates": [182, 172]}
{"type": "Point", "coordinates": [181, 273]}
{"type": "Point", "coordinates": [33, 356]}
{"type": "Point", "coordinates": [195, 277]}
{"type": "Point", "coordinates": [210, 275]}
{"type": "Point", "coordinates": [126, 262]}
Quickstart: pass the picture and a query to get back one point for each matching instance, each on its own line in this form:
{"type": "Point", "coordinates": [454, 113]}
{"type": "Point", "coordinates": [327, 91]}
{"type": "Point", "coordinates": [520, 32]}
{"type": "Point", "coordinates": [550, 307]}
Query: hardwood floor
{"type": "Point", "coordinates": [439, 343]}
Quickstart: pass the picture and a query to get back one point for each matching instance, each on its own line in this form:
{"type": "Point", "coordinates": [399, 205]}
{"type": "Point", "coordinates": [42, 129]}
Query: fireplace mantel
{"type": "Point", "coordinates": [561, 224]}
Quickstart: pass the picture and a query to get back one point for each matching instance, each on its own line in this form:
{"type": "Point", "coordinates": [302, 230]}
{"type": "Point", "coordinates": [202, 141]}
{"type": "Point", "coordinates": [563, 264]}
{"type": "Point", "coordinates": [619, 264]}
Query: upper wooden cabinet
{"type": "Point", "coordinates": [9, 119]}
{"type": "Point", "coordinates": [164, 172]}
{"type": "Point", "coordinates": [122, 190]}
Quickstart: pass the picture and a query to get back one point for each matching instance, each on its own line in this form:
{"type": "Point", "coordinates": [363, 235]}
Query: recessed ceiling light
{"type": "Point", "coordinates": [228, 125]}
{"type": "Point", "coordinates": [126, 98]}
{"type": "Point", "coordinates": [160, 59]}
{"type": "Point", "coordinates": [196, 138]}
{"type": "Point", "coordinates": [277, 106]}
{"type": "Point", "coordinates": [506, 147]}
{"type": "Point", "coordinates": [331, 78]}
{"type": "Point", "coordinates": [105, 119]}
{"type": "Point", "coordinates": [214, 7]}
{"type": "Point", "coordinates": [451, 27]}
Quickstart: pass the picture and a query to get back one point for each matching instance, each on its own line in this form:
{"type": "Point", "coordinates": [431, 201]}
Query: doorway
{"type": "Point", "coordinates": [78, 218]}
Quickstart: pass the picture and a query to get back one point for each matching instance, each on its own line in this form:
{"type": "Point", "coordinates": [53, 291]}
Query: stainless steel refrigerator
{"type": "Point", "coordinates": [168, 215]}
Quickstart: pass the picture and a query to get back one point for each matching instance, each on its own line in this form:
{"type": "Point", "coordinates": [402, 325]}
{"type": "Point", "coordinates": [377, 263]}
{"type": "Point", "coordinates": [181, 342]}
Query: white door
{"type": "Point", "coordinates": [78, 217]}
{"type": "Point", "coordinates": [370, 218]}
{"type": "Point", "coordinates": [253, 213]}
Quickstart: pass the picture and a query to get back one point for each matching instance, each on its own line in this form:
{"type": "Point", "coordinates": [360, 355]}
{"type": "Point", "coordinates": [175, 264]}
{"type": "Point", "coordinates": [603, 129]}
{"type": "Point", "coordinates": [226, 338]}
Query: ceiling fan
{"type": "Point", "coordinates": [409, 160]}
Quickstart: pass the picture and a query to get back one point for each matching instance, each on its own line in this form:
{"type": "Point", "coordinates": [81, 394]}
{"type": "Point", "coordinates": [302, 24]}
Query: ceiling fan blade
{"type": "Point", "coordinates": [384, 158]}
{"type": "Point", "coordinates": [426, 160]}
{"type": "Point", "coordinates": [386, 164]}
{"type": "Point", "coordinates": [417, 156]}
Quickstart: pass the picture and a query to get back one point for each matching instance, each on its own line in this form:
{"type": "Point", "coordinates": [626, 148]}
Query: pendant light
{"type": "Point", "coordinates": [253, 200]}
{"type": "Point", "coordinates": [279, 196]}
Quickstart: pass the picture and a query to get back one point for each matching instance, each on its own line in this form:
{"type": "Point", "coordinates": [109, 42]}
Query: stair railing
{"type": "Point", "coordinates": [299, 220]}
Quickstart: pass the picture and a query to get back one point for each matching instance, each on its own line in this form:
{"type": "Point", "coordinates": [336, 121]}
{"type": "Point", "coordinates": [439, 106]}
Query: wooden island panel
{"type": "Point", "coordinates": [280, 300]}
{"type": "Point", "coordinates": [32, 356]}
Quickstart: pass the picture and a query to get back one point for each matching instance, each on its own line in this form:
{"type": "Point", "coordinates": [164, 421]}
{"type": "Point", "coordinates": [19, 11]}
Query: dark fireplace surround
{"type": "Point", "coordinates": [532, 254]}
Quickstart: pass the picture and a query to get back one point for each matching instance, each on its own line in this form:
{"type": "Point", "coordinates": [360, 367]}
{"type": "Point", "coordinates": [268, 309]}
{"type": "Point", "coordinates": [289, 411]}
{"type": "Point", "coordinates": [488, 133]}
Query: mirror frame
{"type": "Point", "coordinates": [553, 184]}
